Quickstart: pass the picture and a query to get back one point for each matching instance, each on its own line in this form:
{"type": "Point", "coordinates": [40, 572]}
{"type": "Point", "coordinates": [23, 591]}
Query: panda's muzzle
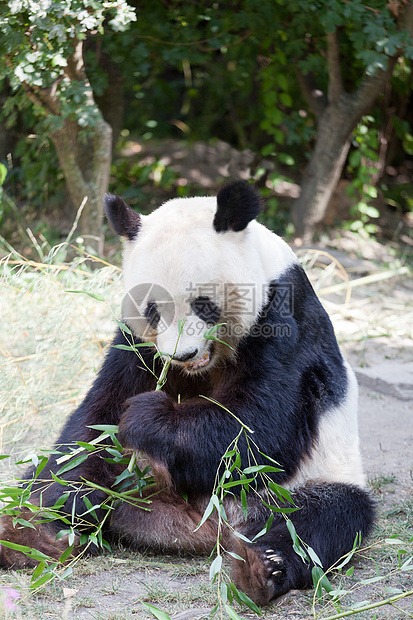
{"type": "Point", "coordinates": [185, 356]}
{"type": "Point", "coordinates": [198, 362]}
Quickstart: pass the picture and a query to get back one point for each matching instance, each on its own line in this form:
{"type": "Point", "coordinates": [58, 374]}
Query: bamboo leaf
{"type": "Point", "coordinates": [242, 537]}
{"type": "Point", "coordinates": [87, 446]}
{"type": "Point", "coordinates": [243, 599]}
{"type": "Point", "coordinates": [215, 567]}
{"type": "Point", "coordinates": [281, 492]}
{"type": "Point", "coordinates": [244, 503]}
{"type": "Point", "coordinates": [41, 466]}
{"type": "Point", "coordinates": [105, 428]}
{"type": "Point", "coordinates": [157, 613]}
{"type": "Point", "coordinates": [231, 613]}
{"type": "Point", "coordinates": [261, 469]}
{"type": "Point", "coordinates": [38, 571]}
{"type": "Point", "coordinates": [46, 577]}
{"type": "Point", "coordinates": [235, 556]}
{"type": "Point", "coordinates": [67, 572]}
{"type": "Point", "coordinates": [23, 522]}
{"type": "Point", "coordinates": [123, 327]}
{"type": "Point", "coordinates": [93, 295]}
{"type": "Point", "coordinates": [265, 528]}
{"type": "Point", "coordinates": [60, 501]}
{"type": "Point", "coordinates": [38, 555]}
{"type": "Point", "coordinates": [314, 557]}
{"type": "Point", "coordinates": [72, 464]}
{"type": "Point", "coordinates": [56, 479]}
{"type": "Point", "coordinates": [236, 483]}
{"type": "Point", "coordinates": [208, 511]}
{"type": "Point", "coordinates": [23, 548]}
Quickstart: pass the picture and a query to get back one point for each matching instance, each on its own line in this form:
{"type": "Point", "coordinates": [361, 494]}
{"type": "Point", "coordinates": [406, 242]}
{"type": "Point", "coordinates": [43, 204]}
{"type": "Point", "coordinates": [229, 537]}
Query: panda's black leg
{"type": "Point", "coordinates": [328, 518]}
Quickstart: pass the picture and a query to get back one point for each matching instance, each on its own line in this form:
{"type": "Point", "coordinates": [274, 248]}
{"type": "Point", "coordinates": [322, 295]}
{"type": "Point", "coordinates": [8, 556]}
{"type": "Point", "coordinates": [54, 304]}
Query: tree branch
{"type": "Point", "coordinates": [41, 97]}
{"type": "Point", "coordinates": [405, 20]}
{"type": "Point", "coordinates": [316, 100]}
{"type": "Point", "coordinates": [64, 140]}
{"type": "Point", "coordinates": [373, 84]}
{"type": "Point", "coordinates": [335, 81]}
{"type": "Point", "coordinates": [75, 68]}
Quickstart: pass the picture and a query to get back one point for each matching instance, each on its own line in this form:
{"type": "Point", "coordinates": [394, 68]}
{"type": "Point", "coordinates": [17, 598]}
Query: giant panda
{"type": "Point", "coordinates": [275, 366]}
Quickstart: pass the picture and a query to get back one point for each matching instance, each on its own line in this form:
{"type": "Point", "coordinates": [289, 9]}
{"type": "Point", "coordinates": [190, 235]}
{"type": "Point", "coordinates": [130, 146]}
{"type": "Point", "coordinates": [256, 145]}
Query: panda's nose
{"type": "Point", "coordinates": [186, 355]}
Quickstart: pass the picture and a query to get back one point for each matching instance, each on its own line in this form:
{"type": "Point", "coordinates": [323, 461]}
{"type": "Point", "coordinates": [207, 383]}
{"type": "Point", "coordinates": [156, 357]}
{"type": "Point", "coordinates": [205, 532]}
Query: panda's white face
{"type": "Point", "coordinates": [182, 277]}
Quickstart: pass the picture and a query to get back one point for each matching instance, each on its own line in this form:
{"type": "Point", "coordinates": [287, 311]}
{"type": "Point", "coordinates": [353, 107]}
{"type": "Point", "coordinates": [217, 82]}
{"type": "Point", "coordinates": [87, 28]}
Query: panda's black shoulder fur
{"type": "Point", "coordinates": [303, 344]}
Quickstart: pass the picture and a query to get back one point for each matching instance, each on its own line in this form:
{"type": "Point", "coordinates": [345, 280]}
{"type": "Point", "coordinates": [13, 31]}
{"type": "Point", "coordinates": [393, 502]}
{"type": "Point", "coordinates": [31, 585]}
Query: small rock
{"type": "Point", "coordinates": [391, 378]}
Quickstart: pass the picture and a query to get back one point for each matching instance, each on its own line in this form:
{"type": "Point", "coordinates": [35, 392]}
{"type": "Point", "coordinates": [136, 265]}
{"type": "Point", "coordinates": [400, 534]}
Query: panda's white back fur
{"type": "Point", "coordinates": [336, 456]}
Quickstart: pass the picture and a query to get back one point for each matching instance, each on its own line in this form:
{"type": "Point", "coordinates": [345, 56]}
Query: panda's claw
{"type": "Point", "coordinates": [263, 576]}
{"type": "Point", "coordinates": [274, 567]}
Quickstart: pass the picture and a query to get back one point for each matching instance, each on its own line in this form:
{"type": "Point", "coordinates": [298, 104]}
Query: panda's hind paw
{"type": "Point", "coordinates": [262, 574]}
{"type": "Point", "coordinates": [275, 566]}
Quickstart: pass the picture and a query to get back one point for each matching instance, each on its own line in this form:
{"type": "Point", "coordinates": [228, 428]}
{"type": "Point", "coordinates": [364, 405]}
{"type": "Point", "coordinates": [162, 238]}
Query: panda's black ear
{"type": "Point", "coordinates": [238, 204]}
{"type": "Point", "coordinates": [124, 220]}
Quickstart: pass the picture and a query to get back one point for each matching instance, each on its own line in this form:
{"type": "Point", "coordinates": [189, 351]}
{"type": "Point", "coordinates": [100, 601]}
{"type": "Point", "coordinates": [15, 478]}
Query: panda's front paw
{"type": "Point", "coordinates": [39, 536]}
{"type": "Point", "coordinates": [147, 422]}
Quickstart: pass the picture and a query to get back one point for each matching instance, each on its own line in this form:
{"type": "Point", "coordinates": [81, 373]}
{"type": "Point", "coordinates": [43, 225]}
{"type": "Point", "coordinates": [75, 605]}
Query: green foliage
{"type": "Point", "coordinates": [190, 69]}
{"type": "Point", "coordinates": [41, 62]}
{"type": "Point", "coordinates": [133, 178]}
{"type": "Point", "coordinates": [363, 162]}
{"type": "Point", "coordinates": [128, 487]}
{"type": "Point", "coordinates": [38, 175]}
{"type": "Point", "coordinates": [38, 37]}
{"type": "Point", "coordinates": [3, 174]}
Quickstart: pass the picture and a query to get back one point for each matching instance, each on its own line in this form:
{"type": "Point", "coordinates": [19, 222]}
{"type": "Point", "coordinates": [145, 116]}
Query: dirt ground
{"type": "Point", "coordinates": [386, 436]}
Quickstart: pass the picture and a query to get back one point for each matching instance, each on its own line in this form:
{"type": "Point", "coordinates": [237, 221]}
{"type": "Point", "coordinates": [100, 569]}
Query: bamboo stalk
{"type": "Point", "coordinates": [387, 601]}
{"type": "Point", "coordinates": [375, 277]}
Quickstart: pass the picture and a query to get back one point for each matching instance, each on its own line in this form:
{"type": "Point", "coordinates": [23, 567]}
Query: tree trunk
{"type": "Point", "coordinates": [112, 101]}
{"type": "Point", "coordinates": [335, 126]}
{"type": "Point", "coordinates": [323, 171]}
{"type": "Point", "coordinates": [338, 115]}
{"type": "Point", "coordinates": [85, 164]}
{"type": "Point", "coordinates": [87, 179]}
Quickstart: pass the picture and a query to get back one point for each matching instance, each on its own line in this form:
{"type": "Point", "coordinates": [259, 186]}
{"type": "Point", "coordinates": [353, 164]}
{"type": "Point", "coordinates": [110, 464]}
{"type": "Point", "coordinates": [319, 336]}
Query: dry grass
{"type": "Point", "coordinates": [51, 342]}
{"type": "Point", "coordinates": [367, 310]}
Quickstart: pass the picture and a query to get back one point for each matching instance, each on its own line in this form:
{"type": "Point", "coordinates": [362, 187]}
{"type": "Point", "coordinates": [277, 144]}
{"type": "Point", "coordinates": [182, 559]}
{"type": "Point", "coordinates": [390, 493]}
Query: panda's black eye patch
{"type": "Point", "coordinates": [152, 314]}
{"type": "Point", "coordinates": [206, 309]}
